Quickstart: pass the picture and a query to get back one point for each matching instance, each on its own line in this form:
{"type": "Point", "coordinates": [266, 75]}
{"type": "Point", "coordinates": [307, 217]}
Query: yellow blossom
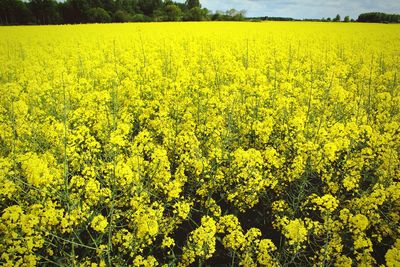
{"type": "Point", "coordinates": [295, 232]}
{"type": "Point", "coordinates": [99, 223]}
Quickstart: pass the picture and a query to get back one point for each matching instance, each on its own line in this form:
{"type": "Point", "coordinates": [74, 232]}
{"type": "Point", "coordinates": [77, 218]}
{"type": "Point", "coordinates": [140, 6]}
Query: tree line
{"type": "Point", "coordinates": [335, 19]}
{"type": "Point", "coordinates": [17, 12]}
{"type": "Point", "coordinates": [379, 17]}
{"type": "Point", "coordinates": [373, 17]}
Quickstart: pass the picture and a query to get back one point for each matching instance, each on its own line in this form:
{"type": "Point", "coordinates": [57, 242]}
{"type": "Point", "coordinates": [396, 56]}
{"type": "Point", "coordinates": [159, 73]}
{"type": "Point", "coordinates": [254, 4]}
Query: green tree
{"type": "Point", "coordinates": [75, 11]}
{"type": "Point", "coordinates": [346, 19]}
{"type": "Point", "coordinates": [147, 7]}
{"type": "Point", "coordinates": [235, 14]}
{"type": "Point", "coordinates": [196, 14]}
{"type": "Point", "coordinates": [379, 17]}
{"type": "Point", "coordinates": [98, 14]}
{"type": "Point", "coordinates": [14, 12]}
{"type": "Point", "coordinates": [192, 4]}
{"type": "Point", "coordinates": [337, 18]}
{"type": "Point", "coordinates": [108, 5]}
{"type": "Point", "coordinates": [173, 12]}
{"type": "Point", "coordinates": [122, 16]}
{"type": "Point", "coordinates": [44, 11]}
{"type": "Point", "coordinates": [217, 16]}
{"type": "Point", "coordinates": [130, 6]}
{"type": "Point", "coordinates": [141, 18]}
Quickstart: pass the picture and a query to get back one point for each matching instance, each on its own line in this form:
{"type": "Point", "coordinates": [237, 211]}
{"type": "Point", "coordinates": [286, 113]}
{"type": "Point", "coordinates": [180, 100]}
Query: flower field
{"type": "Point", "coordinates": [208, 144]}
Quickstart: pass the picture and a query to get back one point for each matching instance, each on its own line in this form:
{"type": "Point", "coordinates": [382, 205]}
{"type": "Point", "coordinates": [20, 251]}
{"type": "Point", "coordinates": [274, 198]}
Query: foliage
{"type": "Point", "coordinates": [192, 4]}
{"type": "Point", "coordinates": [84, 11]}
{"type": "Point", "coordinates": [74, 11]}
{"type": "Point", "coordinates": [379, 17]}
{"type": "Point", "coordinates": [14, 12]}
{"type": "Point", "coordinates": [196, 14]}
{"type": "Point", "coordinates": [122, 16]}
{"type": "Point", "coordinates": [279, 19]}
{"type": "Point", "coordinates": [141, 18]}
{"type": "Point", "coordinates": [44, 11]}
{"type": "Point", "coordinates": [149, 6]}
{"type": "Point", "coordinates": [98, 14]}
{"type": "Point", "coordinates": [214, 144]}
{"type": "Point", "coordinates": [173, 13]}
{"type": "Point", "coordinates": [337, 18]}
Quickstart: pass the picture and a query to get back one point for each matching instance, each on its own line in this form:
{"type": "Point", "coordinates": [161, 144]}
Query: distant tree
{"type": "Point", "coordinates": [14, 12]}
{"type": "Point", "coordinates": [328, 19]}
{"type": "Point", "coordinates": [207, 13]}
{"type": "Point", "coordinates": [395, 18]}
{"type": "Point", "coordinates": [98, 14]}
{"type": "Point", "coordinates": [279, 18]}
{"type": "Point", "coordinates": [379, 17]}
{"type": "Point", "coordinates": [231, 12]}
{"type": "Point", "coordinates": [230, 15]}
{"type": "Point", "coordinates": [122, 16]}
{"type": "Point", "coordinates": [346, 19]}
{"type": "Point", "coordinates": [65, 10]}
{"type": "Point", "coordinates": [44, 11]}
{"type": "Point", "coordinates": [182, 6]}
{"type": "Point", "coordinates": [141, 18]}
{"type": "Point", "coordinates": [217, 16]}
{"type": "Point", "coordinates": [236, 15]}
{"type": "Point", "coordinates": [130, 6]}
{"type": "Point", "coordinates": [192, 4]}
{"type": "Point", "coordinates": [74, 11]}
{"type": "Point", "coordinates": [159, 15]}
{"type": "Point", "coordinates": [108, 5]}
{"type": "Point", "coordinates": [173, 12]}
{"type": "Point", "coordinates": [196, 14]}
{"type": "Point", "coordinates": [147, 7]}
{"type": "Point", "coordinates": [83, 11]}
{"type": "Point", "coordinates": [337, 18]}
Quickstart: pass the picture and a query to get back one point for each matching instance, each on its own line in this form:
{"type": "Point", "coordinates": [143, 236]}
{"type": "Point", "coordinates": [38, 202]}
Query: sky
{"type": "Point", "coordinates": [301, 9]}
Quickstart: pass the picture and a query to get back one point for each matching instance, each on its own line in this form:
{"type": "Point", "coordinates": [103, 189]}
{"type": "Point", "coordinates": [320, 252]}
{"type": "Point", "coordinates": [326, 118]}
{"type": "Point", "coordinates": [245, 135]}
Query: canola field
{"type": "Point", "coordinates": [200, 144]}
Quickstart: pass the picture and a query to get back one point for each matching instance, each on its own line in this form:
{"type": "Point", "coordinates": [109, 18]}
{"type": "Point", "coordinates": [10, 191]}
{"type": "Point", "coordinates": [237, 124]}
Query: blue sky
{"type": "Point", "coordinates": [304, 8]}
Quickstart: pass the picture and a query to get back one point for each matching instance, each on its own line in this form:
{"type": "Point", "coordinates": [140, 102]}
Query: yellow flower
{"type": "Point", "coordinates": [359, 222]}
{"type": "Point", "coordinates": [183, 209]}
{"type": "Point", "coordinates": [12, 214]}
{"type": "Point", "coordinates": [36, 170]}
{"type": "Point", "coordinates": [99, 223]}
{"type": "Point", "coordinates": [92, 193]}
{"type": "Point", "coordinates": [234, 240]}
{"type": "Point", "coordinates": [150, 261]}
{"type": "Point", "coordinates": [168, 242]}
{"type": "Point", "coordinates": [295, 231]}
{"type": "Point", "coordinates": [392, 256]}
{"type": "Point", "coordinates": [343, 261]}
{"type": "Point", "coordinates": [265, 247]}
{"type": "Point", "coordinates": [326, 203]}
{"type": "Point", "coordinates": [201, 243]}
{"type": "Point", "coordinates": [147, 226]}
{"type": "Point", "coordinates": [330, 150]}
